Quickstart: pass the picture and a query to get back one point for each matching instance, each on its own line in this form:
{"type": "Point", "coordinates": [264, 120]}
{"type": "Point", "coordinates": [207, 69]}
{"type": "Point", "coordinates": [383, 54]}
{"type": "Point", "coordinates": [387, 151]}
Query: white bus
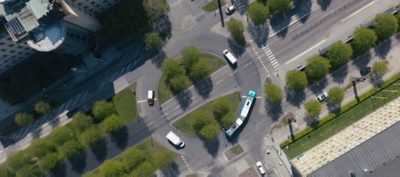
{"type": "Point", "coordinates": [244, 112]}
{"type": "Point", "coordinates": [228, 55]}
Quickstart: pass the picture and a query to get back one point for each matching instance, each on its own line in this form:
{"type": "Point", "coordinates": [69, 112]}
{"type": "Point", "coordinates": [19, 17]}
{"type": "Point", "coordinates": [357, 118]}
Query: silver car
{"type": "Point", "coordinates": [323, 96]}
{"type": "Point", "coordinates": [260, 168]}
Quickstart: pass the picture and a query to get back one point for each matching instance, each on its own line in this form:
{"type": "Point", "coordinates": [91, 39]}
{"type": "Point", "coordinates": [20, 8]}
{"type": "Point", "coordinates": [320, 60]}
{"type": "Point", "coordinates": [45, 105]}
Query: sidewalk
{"type": "Point", "coordinates": [343, 76]}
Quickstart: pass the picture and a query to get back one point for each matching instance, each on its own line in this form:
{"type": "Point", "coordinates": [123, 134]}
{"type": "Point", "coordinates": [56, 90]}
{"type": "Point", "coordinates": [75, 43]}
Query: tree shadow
{"type": "Point", "coordinates": [99, 149]}
{"type": "Point", "coordinates": [333, 108]}
{"type": "Point", "coordinates": [311, 121]}
{"type": "Point", "coordinates": [259, 34]}
{"type": "Point", "coordinates": [274, 110]}
{"type": "Point", "coordinates": [163, 26]}
{"type": "Point", "coordinates": [235, 47]}
{"type": "Point", "coordinates": [279, 23]}
{"type": "Point", "coordinates": [59, 171]}
{"type": "Point", "coordinates": [383, 48]}
{"type": "Point", "coordinates": [302, 9]}
{"type": "Point", "coordinates": [295, 98]}
{"type": "Point", "coordinates": [376, 80]}
{"type": "Point", "coordinates": [339, 74]}
{"type": "Point", "coordinates": [158, 57]}
{"type": "Point", "coordinates": [171, 171]}
{"type": "Point", "coordinates": [212, 146]}
{"type": "Point", "coordinates": [204, 87]}
{"type": "Point", "coordinates": [362, 60]}
{"type": "Point", "coordinates": [120, 137]}
{"type": "Point", "coordinates": [318, 86]}
{"type": "Point", "coordinates": [78, 163]}
{"type": "Point", "coordinates": [324, 4]}
{"type": "Point", "coordinates": [241, 6]}
{"type": "Point", "coordinates": [184, 99]}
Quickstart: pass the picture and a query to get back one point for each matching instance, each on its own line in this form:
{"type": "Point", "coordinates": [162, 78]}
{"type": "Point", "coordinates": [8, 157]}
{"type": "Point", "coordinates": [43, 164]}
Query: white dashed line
{"type": "Point", "coordinates": [177, 107]}
{"type": "Point", "coordinates": [187, 165]}
{"type": "Point", "coordinates": [218, 82]}
{"type": "Point", "coordinates": [141, 101]}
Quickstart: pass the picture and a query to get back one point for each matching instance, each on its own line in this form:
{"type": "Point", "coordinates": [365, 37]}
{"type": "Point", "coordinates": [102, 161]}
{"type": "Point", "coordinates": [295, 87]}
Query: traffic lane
{"type": "Point", "coordinates": [302, 36]}
{"type": "Point", "coordinates": [247, 75]}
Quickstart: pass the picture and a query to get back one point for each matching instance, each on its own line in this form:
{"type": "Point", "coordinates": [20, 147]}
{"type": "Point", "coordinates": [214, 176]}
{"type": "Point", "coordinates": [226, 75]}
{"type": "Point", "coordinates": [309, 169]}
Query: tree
{"type": "Point", "coordinates": [220, 107]}
{"type": "Point", "coordinates": [385, 25]}
{"type": "Point", "coordinates": [152, 40]}
{"type": "Point", "coordinates": [199, 71]}
{"type": "Point", "coordinates": [200, 119]}
{"type": "Point", "coordinates": [363, 39]}
{"type": "Point", "coordinates": [49, 162]}
{"type": "Point", "coordinates": [145, 169]}
{"type": "Point", "coordinates": [317, 67]}
{"type": "Point", "coordinates": [91, 135]}
{"type": "Point", "coordinates": [60, 135]}
{"type": "Point", "coordinates": [163, 158]}
{"type": "Point", "coordinates": [279, 6]}
{"type": "Point", "coordinates": [177, 83]}
{"type": "Point", "coordinates": [4, 171]}
{"type": "Point", "coordinates": [42, 107]}
{"type": "Point", "coordinates": [28, 171]}
{"type": "Point", "coordinates": [273, 93]}
{"type": "Point", "coordinates": [23, 119]}
{"type": "Point", "coordinates": [41, 147]}
{"type": "Point", "coordinates": [379, 68]}
{"type": "Point", "coordinates": [227, 120]}
{"type": "Point", "coordinates": [336, 95]}
{"type": "Point", "coordinates": [133, 157]}
{"type": "Point", "coordinates": [258, 13]}
{"type": "Point", "coordinates": [102, 109]}
{"type": "Point", "coordinates": [296, 80]}
{"type": "Point", "coordinates": [171, 68]}
{"type": "Point", "coordinates": [209, 131]}
{"type": "Point", "coordinates": [339, 53]}
{"type": "Point", "coordinates": [81, 121]}
{"type": "Point", "coordinates": [112, 168]}
{"type": "Point", "coordinates": [70, 149]}
{"type": "Point", "coordinates": [112, 123]}
{"type": "Point", "coordinates": [155, 9]}
{"type": "Point", "coordinates": [18, 160]}
{"type": "Point", "coordinates": [313, 108]}
{"type": "Point", "coordinates": [236, 28]}
{"type": "Point", "coordinates": [190, 56]}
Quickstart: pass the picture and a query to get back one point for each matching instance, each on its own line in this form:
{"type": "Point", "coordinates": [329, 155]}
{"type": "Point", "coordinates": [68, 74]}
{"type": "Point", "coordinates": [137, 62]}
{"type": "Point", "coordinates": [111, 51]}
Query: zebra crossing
{"type": "Point", "coordinates": [266, 57]}
{"type": "Point", "coordinates": [271, 57]}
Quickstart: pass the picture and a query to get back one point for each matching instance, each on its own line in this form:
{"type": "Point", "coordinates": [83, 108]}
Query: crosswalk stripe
{"type": "Point", "coordinates": [273, 62]}
{"type": "Point", "coordinates": [275, 65]}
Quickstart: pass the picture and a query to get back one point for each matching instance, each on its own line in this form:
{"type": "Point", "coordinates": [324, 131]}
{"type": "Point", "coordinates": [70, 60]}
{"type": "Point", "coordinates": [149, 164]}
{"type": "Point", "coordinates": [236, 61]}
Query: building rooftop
{"type": "Point", "coordinates": [354, 148]}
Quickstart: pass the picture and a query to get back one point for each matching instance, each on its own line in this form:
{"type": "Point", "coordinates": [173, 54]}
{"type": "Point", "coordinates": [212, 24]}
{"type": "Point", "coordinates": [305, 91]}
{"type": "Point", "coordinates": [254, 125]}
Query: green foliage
{"type": "Point", "coordinates": [177, 83]}
{"type": "Point", "coordinates": [41, 147]}
{"type": "Point", "coordinates": [317, 67]}
{"type": "Point", "coordinates": [220, 107]}
{"type": "Point", "coordinates": [273, 93]}
{"type": "Point", "coordinates": [313, 108]}
{"type": "Point", "coordinates": [199, 71]}
{"type": "Point", "coordinates": [60, 135]}
{"type": "Point", "coordinates": [163, 158]}
{"type": "Point", "coordinates": [296, 80]}
{"type": "Point", "coordinates": [152, 40]}
{"type": "Point", "coordinates": [81, 121]}
{"type": "Point", "coordinates": [279, 6]}
{"type": "Point", "coordinates": [145, 169]}
{"type": "Point", "coordinates": [42, 107]}
{"type": "Point", "coordinates": [102, 109]}
{"type": "Point", "coordinates": [258, 13]}
{"type": "Point", "coordinates": [335, 95]}
{"type": "Point", "coordinates": [379, 68]}
{"type": "Point", "coordinates": [4, 171]}
{"type": "Point", "coordinates": [28, 171]}
{"type": "Point", "coordinates": [363, 39]}
{"type": "Point", "coordinates": [339, 53]}
{"type": "Point", "coordinates": [91, 135]}
{"type": "Point", "coordinates": [171, 68]}
{"type": "Point", "coordinates": [190, 56]}
{"type": "Point", "coordinates": [112, 168]}
{"type": "Point", "coordinates": [125, 103]}
{"type": "Point", "coordinates": [209, 131]}
{"type": "Point", "coordinates": [133, 157]}
{"type": "Point", "coordinates": [227, 120]}
{"type": "Point", "coordinates": [49, 162]}
{"type": "Point", "coordinates": [201, 119]}
{"type": "Point", "coordinates": [155, 9]}
{"type": "Point", "coordinates": [18, 160]}
{"type": "Point", "coordinates": [23, 119]}
{"type": "Point", "coordinates": [385, 25]}
{"type": "Point", "coordinates": [112, 123]}
{"type": "Point", "coordinates": [236, 28]}
{"type": "Point", "coordinates": [70, 149]}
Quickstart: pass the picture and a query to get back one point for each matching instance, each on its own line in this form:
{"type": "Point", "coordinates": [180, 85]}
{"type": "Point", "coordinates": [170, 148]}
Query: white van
{"type": "Point", "coordinates": [228, 55]}
{"type": "Point", "coordinates": [150, 97]}
{"type": "Point", "coordinates": [174, 139]}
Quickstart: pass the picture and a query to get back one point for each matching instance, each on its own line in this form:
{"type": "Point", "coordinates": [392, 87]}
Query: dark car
{"type": "Point", "coordinates": [365, 71]}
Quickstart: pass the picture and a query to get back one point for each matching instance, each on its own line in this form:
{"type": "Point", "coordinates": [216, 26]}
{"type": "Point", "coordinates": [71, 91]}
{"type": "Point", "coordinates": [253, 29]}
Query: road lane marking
{"type": "Point", "coordinates": [141, 101]}
{"type": "Point", "coordinates": [290, 24]}
{"type": "Point", "coordinates": [306, 51]}
{"type": "Point", "coordinates": [176, 107]}
{"type": "Point", "coordinates": [246, 65]}
{"type": "Point", "coordinates": [186, 163]}
{"type": "Point", "coordinates": [218, 82]}
{"type": "Point", "coordinates": [358, 11]}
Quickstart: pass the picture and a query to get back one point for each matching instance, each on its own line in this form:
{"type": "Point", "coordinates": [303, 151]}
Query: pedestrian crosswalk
{"type": "Point", "coordinates": [270, 56]}
{"type": "Point", "coordinates": [266, 57]}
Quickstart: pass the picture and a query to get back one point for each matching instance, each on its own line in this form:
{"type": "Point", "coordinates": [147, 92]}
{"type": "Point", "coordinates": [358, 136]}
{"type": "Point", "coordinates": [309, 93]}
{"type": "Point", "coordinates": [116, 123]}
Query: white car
{"type": "Point", "coordinates": [260, 168]}
{"type": "Point", "coordinates": [230, 9]}
{"type": "Point", "coordinates": [321, 97]}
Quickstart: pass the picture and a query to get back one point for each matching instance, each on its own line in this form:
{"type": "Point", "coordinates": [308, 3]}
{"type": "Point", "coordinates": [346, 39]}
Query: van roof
{"type": "Point", "coordinates": [150, 94]}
